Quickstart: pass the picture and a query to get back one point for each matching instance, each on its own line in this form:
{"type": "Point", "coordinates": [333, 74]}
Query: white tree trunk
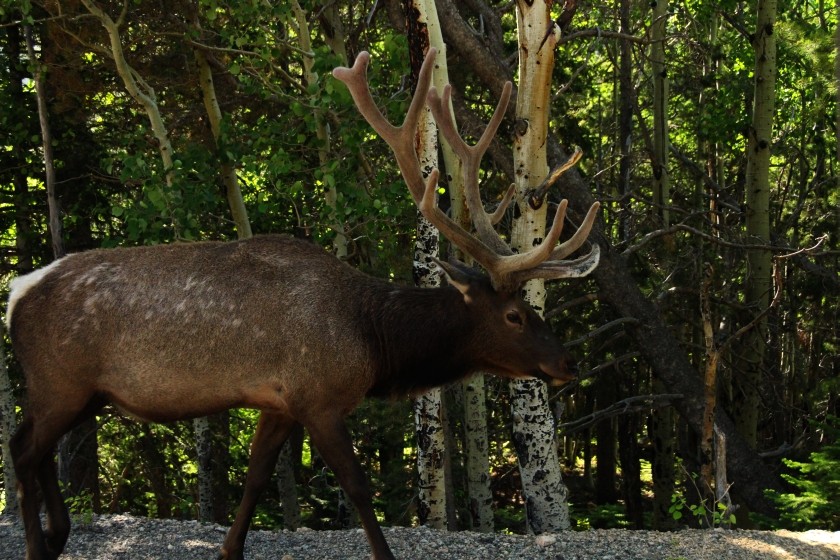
{"type": "Point", "coordinates": [139, 90]}
{"type": "Point", "coordinates": [7, 428]}
{"type": "Point", "coordinates": [227, 168]}
{"type": "Point", "coordinates": [533, 423]}
{"type": "Point", "coordinates": [203, 447]}
{"type": "Point", "coordinates": [431, 455]}
{"type": "Point", "coordinates": [475, 407]}
{"type": "Point", "coordinates": [428, 408]}
{"type": "Point", "coordinates": [478, 455]}
{"type": "Point", "coordinates": [287, 488]}
{"type": "Point", "coordinates": [322, 130]}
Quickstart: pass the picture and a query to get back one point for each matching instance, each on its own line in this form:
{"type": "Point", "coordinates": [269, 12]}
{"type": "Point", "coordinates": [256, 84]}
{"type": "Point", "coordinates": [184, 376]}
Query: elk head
{"type": "Point", "coordinates": [507, 270]}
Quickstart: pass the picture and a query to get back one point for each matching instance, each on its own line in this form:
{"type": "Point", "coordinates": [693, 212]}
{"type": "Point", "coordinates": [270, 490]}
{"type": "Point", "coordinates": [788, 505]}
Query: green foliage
{"type": "Point", "coordinates": [148, 469]}
{"type": "Point", "coordinates": [693, 506]}
{"type": "Point", "coordinates": [815, 501]}
{"type": "Point", "coordinates": [715, 515]}
{"type": "Point", "coordinates": [605, 516]}
{"type": "Point", "coordinates": [80, 506]}
{"type": "Point", "coordinates": [509, 519]}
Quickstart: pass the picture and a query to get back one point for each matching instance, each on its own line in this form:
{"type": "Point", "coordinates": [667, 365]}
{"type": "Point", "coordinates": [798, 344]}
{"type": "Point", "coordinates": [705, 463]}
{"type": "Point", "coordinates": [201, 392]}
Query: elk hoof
{"type": "Point", "coordinates": [225, 554]}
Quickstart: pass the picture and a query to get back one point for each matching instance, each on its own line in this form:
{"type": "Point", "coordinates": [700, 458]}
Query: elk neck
{"type": "Point", "coordinates": [419, 338]}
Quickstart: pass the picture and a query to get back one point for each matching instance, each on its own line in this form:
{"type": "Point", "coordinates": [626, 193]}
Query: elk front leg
{"type": "Point", "coordinates": [331, 438]}
{"type": "Point", "coordinates": [272, 432]}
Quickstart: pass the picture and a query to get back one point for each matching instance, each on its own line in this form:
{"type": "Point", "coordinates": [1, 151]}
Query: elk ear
{"type": "Point", "coordinates": [457, 274]}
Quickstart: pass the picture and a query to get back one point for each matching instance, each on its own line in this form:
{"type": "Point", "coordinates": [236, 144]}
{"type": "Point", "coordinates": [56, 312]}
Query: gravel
{"type": "Point", "coordinates": [122, 537]}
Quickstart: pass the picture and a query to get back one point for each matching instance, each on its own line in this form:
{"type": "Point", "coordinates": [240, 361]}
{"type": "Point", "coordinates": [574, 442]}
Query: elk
{"type": "Point", "coordinates": [177, 331]}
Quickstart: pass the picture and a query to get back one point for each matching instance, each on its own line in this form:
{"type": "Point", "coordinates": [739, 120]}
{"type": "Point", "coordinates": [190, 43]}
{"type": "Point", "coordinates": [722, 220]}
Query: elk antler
{"type": "Point", "coordinates": [507, 269]}
{"type": "Point", "coordinates": [399, 138]}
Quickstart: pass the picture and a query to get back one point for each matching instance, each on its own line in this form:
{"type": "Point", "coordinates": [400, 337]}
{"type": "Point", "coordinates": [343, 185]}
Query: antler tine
{"type": "Point", "coordinates": [555, 266]}
{"type": "Point", "coordinates": [573, 244]}
{"type": "Point", "coordinates": [535, 256]}
{"type": "Point", "coordinates": [471, 160]}
{"type": "Point", "coordinates": [401, 141]}
{"type": "Point", "coordinates": [470, 244]}
{"type": "Point", "coordinates": [443, 116]}
{"type": "Point", "coordinates": [399, 138]}
{"type": "Point", "coordinates": [507, 270]}
{"type": "Point", "coordinates": [554, 270]}
{"type": "Point", "coordinates": [546, 259]}
{"type": "Point", "coordinates": [497, 216]}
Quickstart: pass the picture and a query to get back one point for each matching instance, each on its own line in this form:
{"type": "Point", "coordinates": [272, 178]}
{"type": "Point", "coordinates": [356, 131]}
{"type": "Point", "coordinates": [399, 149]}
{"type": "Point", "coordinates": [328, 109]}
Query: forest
{"type": "Point", "coordinates": [708, 337]}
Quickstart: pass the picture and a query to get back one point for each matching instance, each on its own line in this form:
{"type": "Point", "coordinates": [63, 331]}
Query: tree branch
{"type": "Point", "coordinates": [708, 237]}
{"type": "Point", "coordinates": [597, 32]}
{"type": "Point", "coordinates": [603, 328]}
{"type": "Point", "coordinates": [626, 406]}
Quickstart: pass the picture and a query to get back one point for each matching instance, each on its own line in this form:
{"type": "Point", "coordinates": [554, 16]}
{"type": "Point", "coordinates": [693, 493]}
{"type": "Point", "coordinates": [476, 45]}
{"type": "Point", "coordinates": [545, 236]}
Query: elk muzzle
{"type": "Point", "coordinates": [558, 373]}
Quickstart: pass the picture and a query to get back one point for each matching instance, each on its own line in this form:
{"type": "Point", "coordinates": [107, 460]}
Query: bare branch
{"type": "Point", "coordinates": [639, 403]}
{"type": "Point", "coordinates": [571, 303]}
{"type": "Point", "coordinates": [596, 370]}
{"type": "Point", "coordinates": [708, 237]}
{"type": "Point", "coordinates": [601, 329]}
{"type": "Point", "coordinates": [598, 32]}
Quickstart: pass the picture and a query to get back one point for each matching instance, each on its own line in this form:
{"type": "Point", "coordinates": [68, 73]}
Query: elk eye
{"type": "Point", "coordinates": [513, 317]}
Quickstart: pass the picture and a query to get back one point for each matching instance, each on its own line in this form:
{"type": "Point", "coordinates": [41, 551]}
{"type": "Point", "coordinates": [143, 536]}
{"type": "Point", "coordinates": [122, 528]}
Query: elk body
{"type": "Point", "coordinates": [274, 323]}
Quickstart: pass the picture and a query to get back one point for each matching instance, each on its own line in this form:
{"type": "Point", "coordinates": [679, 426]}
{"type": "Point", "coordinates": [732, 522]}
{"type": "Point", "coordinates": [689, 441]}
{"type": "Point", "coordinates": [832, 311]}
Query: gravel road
{"type": "Point", "coordinates": [122, 537]}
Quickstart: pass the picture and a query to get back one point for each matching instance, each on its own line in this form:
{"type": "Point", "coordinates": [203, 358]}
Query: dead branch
{"type": "Point", "coordinates": [639, 403]}
{"type": "Point", "coordinates": [601, 329]}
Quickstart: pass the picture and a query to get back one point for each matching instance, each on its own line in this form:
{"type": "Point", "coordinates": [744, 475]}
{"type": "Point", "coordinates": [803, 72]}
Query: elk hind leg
{"type": "Point", "coordinates": [331, 438]}
{"type": "Point", "coordinates": [272, 432]}
{"type": "Point", "coordinates": [58, 520]}
{"type": "Point", "coordinates": [32, 447]}
{"type": "Point", "coordinates": [26, 462]}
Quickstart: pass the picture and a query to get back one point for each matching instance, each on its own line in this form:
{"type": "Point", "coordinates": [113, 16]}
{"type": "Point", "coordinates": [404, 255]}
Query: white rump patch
{"type": "Point", "coordinates": [19, 287]}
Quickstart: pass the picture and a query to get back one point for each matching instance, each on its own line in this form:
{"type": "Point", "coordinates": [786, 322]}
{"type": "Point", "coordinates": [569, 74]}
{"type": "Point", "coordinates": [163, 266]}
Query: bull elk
{"type": "Point", "coordinates": [178, 331]}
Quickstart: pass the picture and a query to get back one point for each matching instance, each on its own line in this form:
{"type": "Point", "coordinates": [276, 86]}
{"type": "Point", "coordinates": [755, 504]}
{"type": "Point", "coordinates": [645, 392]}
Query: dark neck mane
{"type": "Point", "coordinates": [419, 338]}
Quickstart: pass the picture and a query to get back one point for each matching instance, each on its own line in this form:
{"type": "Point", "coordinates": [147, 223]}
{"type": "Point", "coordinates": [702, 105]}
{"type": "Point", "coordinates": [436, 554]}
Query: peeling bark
{"type": "Point", "coordinates": [477, 450]}
{"type": "Point", "coordinates": [534, 433]}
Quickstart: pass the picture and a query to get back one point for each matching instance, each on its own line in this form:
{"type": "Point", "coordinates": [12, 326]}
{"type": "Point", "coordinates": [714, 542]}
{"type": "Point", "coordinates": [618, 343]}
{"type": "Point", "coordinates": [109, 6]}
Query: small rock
{"type": "Point", "coordinates": [543, 541]}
